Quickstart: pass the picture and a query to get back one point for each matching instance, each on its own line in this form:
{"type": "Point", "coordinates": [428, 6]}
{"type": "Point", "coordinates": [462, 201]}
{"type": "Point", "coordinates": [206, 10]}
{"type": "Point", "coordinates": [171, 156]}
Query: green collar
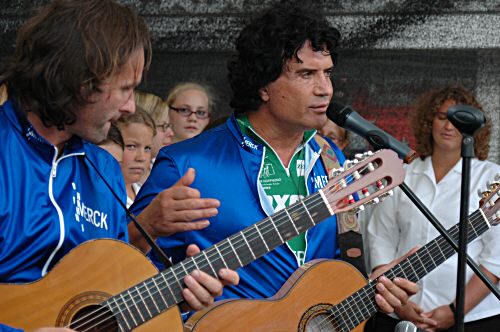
{"type": "Point", "coordinates": [247, 129]}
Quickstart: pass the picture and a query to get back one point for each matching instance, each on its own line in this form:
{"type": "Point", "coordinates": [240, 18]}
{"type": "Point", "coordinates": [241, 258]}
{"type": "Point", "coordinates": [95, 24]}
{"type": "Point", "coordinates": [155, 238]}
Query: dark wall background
{"type": "Point", "coordinates": [391, 52]}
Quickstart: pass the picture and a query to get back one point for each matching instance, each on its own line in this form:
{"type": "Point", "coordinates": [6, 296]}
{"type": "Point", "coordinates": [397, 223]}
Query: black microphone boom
{"type": "Point", "coordinates": [347, 118]}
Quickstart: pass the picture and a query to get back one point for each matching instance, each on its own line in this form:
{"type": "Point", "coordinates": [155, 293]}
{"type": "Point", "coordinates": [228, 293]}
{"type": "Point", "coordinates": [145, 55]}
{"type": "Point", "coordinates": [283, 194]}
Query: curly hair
{"type": "Point", "coordinates": [426, 107]}
{"type": "Point", "coordinates": [65, 52]}
{"type": "Point", "coordinates": [266, 45]}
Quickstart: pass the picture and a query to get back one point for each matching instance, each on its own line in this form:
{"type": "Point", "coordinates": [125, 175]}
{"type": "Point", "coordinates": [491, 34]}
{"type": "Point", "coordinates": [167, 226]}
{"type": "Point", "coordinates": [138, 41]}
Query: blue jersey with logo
{"type": "Point", "coordinates": [228, 164]}
{"type": "Point", "coordinates": [51, 204]}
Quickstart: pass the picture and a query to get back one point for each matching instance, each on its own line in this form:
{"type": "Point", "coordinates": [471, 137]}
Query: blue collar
{"type": "Point", "coordinates": [18, 118]}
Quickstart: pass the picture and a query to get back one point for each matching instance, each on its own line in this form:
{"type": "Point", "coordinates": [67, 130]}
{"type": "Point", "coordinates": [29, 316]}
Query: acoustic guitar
{"type": "Point", "coordinates": [106, 285]}
{"type": "Point", "coordinates": [328, 295]}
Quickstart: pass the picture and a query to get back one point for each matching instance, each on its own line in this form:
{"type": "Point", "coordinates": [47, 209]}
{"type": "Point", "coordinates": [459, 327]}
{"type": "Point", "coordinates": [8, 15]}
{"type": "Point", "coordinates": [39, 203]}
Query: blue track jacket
{"type": "Point", "coordinates": [49, 205]}
{"type": "Point", "coordinates": [228, 165]}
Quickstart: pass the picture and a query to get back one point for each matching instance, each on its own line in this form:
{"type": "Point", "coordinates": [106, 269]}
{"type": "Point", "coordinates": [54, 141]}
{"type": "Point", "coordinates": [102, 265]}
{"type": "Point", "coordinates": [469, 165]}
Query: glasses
{"type": "Point", "coordinates": [164, 127]}
{"type": "Point", "coordinates": [186, 112]}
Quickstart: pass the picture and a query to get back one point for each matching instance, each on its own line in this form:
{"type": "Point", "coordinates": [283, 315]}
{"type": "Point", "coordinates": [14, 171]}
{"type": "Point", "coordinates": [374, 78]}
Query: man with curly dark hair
{"type": "Point", "coordinates": [397, 225]}
{"type": "Point", "coordinates": [265, 157]}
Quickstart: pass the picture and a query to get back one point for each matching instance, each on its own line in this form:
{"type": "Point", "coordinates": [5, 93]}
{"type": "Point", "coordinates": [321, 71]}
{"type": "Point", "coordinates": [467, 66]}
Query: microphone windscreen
{"type": "Point", "coordinates": [405, 326]}
{"type": "Point", "coordinates": [338, 112]}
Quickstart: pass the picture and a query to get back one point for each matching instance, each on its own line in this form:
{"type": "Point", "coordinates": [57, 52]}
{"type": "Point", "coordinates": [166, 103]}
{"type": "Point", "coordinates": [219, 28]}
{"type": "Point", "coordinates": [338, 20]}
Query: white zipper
{"type": "Point", "coordinates": [53, 174]}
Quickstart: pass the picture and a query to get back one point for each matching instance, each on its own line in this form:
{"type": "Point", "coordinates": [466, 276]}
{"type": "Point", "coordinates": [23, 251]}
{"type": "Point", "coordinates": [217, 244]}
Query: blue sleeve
{"type": "Point", "coordinates": [5, 328]}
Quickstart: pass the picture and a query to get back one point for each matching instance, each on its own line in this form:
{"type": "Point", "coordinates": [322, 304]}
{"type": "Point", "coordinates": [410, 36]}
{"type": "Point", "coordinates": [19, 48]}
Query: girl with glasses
{"type": "Point", "coordinates": [190, 105]}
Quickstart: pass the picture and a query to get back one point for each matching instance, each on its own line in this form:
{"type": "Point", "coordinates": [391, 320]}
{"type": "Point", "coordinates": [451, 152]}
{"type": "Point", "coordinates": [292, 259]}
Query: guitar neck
{"type": "Point", "coordinates": [361, 305]}
{"type": "Point", "coordinates": [144, 301]}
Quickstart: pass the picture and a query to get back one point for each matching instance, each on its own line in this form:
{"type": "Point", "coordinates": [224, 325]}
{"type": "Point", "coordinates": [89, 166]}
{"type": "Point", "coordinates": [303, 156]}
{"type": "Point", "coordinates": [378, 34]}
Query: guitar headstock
{"type": "Point", "coordinates": [490, 201]}
{"type": "Point", "coordinates": [369, 178]}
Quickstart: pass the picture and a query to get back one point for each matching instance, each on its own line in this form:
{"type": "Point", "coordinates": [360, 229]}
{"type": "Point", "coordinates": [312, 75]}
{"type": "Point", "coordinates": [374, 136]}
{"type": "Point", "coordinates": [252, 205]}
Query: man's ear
{"type": "Point", "coordinates": [263, 94]}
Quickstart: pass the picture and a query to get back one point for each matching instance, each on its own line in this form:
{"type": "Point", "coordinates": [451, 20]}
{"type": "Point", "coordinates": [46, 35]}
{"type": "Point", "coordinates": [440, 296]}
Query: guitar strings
{"type": "Point", "coordinates": [237, 245]}
{"type": "Point", "coordinates": [316, 200]}
{"type": "Point", "coordinates": [351, 298]}
{"type": "Point", "coordinates": [433, 245]}
{"type": "Point", "coordinates": [436, 246]}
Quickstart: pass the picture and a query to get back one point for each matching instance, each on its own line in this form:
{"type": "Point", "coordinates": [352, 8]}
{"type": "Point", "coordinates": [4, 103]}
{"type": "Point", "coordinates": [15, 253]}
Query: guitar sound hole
{"type": "Point", "coordinates": [318, 319]}
{"type": "Point", "coordinates": [322, 322]}
{"type": "Point", "coordinates": [94, 318]}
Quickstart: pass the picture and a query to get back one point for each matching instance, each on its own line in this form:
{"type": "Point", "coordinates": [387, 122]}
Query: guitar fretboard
{"type": "Point", "coordinates": [361, 305]}
{"type": "Point", "coordinates": [155, 295]}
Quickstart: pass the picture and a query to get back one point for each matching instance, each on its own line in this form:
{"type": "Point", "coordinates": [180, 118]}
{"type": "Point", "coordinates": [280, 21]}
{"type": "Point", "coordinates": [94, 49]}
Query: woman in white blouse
{"type": "Point", "coordinates": [397, 225]}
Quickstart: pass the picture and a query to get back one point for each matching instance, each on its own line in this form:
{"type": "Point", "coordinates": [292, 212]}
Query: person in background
{"type": "Point", "coordinates": [114, 143]}
{"type": "Point", "coordinates": [191, 105]}
{"type": "Point", "coordinates": [158, 110]}
{"type": "Point", "coordinates": [397, 225]}
{"type": "Point", "coordinates": [73, 73]}
{"type": "Point", "coordinates": [265, 157]}
{"type": "Point", "coordinates": [337, 134]}
{"type": "Point", "coordinates": [137, 130]}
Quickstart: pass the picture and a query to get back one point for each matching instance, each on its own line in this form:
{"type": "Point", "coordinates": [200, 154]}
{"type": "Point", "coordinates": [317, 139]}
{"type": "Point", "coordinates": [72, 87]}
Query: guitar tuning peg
{"type": "Point", "coordinates": [336, 171]}
{"type": "Point", "coordinates": [481, 193]}
{"type": "Point", "coordinates": [359, 156]}
{"type": "Point", "coordinates": [493, 185]}
{"type": "Point", "coordinates": [374, 201]}
{"type": "Point", "coordinates": [386, 194]}
{"type": "Point", "coordinates": [358, 209]}
{"type": "Point", "coordinates": [350, 163]}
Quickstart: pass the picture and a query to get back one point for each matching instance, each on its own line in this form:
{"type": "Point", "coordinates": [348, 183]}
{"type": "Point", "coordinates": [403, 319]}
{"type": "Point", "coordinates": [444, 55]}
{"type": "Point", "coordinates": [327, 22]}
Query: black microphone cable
{"type": "Point", "coordinates": [157, 250]}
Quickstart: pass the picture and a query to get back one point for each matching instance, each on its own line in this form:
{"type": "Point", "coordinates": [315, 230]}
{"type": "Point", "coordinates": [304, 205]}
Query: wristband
{"type": "Point", "coordinates": [452, 307]}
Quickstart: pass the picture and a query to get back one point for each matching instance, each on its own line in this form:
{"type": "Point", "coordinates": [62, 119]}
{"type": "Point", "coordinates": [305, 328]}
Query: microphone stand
{"type": "Point", "coordinates": [467, 155]}
{"type": "Point", "coordinates": [467, 120]}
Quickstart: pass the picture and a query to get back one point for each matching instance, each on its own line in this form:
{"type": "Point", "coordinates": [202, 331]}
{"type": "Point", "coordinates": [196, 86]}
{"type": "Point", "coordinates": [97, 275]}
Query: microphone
{"type": "Point", "coordinates": [347, 118]}
{"type": "Point", "coordinates": [465, 118]}
{"type": "Point", "coordinates": [406, 326]}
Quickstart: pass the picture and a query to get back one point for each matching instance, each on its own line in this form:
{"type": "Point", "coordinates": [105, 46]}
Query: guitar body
{"type": "Point", "coordinates": [86, 276]}
{"type": "Point", "coordinates": [306, 294]}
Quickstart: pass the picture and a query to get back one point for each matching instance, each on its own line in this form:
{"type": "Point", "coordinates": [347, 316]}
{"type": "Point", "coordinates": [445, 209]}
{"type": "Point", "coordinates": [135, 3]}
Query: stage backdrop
{"type": "Point", "coordinates": [392, 51]}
